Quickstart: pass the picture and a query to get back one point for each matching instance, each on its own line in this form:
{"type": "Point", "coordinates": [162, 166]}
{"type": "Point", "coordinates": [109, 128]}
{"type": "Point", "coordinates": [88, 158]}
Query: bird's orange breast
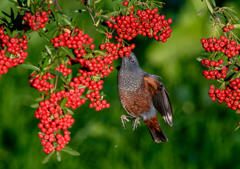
{"type": "Point", "coordinates": [136, 102]}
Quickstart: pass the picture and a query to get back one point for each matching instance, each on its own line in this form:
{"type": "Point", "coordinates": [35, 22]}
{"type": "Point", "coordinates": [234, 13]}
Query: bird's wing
{"type": "Point", "coordinates": [160, 97]}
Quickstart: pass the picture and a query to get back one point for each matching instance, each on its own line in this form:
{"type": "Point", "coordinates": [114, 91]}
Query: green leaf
{"type": "Point", "coordinates": [32, 7]}
{"type": "Point", "coordinates": [209, 6]}
{"type": "Point", "coordinates": [237, 128]}
{"type": "Point", "coordinates": [69, 77]}
{"type": "Point", "coordinates": [107, 18]}
{"type": "Point", "coordinates": [67, 21]}
{"type": "Point", "coordinates": [54, 72]}
{"type": "Point", "coordinates": [105, 28]}
{"type": "Point", "coordinates": [43, 34]}
{"type": "Point", "coordinates": [214, 3]}
{"type": "Point", "coordinates": [63, 102]}
{"type": "Point", "coordinates": [230, 10]}
{"type": "Point", "coordinates": [220, 15]}
{"type": "Point", "coordinates": [72, 152]}
{"type": "Point", "coordinates": [68, 51]}
{"type": "Point", "coordinates": [55, 15]}
{"type": "Point", "coordinates": [132, 2]}
{"type": "Point", "coordinates": [9, 32]}
{"type": "Point", "coordinates": [39, 99]}
{"type": "Point", "coordinates": [100, 5]}
{"type": "Point", "coordinates": [28, 3]}
{"type": "Point", "coordinates": [74, 18]}
{"type": "Point", "coordinates": [201, 58]}
{"type": "Point", "coordinates": [230, 75]}
{"type": "Point", "coordinates": [220, 80]}
{"type": "Point", "coordinates": [53, 28]}
{"type": "Point", "coordinates": [47, 158]}
{"type": "Point", "coordinates": [63, 79]}
{"type": "Point", "coordinates": [237, 26]}
{"type": "Point", "coordinates": [100, 31]}
{"type": "Point", "coordinates": [25, 66]}
{"type": "Point", "coordinates": [232, 15]}
{"type": "Point", "coordinates": [47, 97]}
{"type": "Point", "coordinates": [58, 156]}
{"type": "Point", "coordinates": [202, 10]}
{"type": "Point", "coordinates": [48, 50]}
{"type": "Point", "coordinates": [44, 54]}
{"type": "Point", "coordinates": [12, 15]}
{"type": "Point", "coordinates": [35, 105]}
{"type": "Point", "coordinates": [67, 148]}
{"type": "Point", "coordinates": [235, 75]}
{"type": "Point", "coordinates": [89, 91]}
{"type": "Point", "coordinates": [6, 14]}
{"type": "Point", "coordinates": [45, 63]}
{"type": "Point", "coordinates": [98, 51]}
{"type": "Point", "coordinates": [70, 111]}
{"type": "Point", "coordinates": [13, 1]}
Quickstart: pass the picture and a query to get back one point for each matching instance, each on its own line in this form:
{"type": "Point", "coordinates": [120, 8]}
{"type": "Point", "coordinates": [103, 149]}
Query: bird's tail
{"type": "Point", "coordinates": [155, 130]}
{"type": "Point", "coordinates": [158, 136]}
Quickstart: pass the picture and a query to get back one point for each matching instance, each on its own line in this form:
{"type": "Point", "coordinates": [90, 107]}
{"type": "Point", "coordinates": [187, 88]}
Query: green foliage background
{"type": "Point", "coordinates": [203, 132]}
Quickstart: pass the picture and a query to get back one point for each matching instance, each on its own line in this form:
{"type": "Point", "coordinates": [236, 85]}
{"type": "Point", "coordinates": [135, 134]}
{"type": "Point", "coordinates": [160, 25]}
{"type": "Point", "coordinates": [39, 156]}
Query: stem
{"type": "Point", "coordinates": [57, 6]}
{"type": "Point", "coordinates": [55, 86]}
{"type": "Point", "coordinates": [90, 13]}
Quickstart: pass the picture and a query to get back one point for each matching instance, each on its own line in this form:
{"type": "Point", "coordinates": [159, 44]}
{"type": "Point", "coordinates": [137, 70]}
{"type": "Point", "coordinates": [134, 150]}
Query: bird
{"type": "Point", "coordinates": [141, 94]}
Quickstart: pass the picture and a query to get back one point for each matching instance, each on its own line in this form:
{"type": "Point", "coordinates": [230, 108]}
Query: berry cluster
{"type": "Point", "coordinates": [12, 51]}
{"type": "Point", "coordinates": [215, 74]}
{"type": "Point", "coordinates": [208, 63]}
{"type": "Point", "coordinates": [94, 87]}
{"type": "Point", "coordinates": [55, 121]}
{"type": "Point", "coordinates": [225, 29]}
{"type": "Point", "coordinates": [224, 45]}
{"type": "Point", "coordinates": [39, 82]}
{"type": "Point", "coordinates": [36, 21]}
{"type": "Point", "coordinates": [146, 23]}
{"type": "Point", "coordinates": [117, 50]}
{"type": "Point", "coordinates": [230, 95]}
{"type": "Point", "coordinates": [65, 71]}
{"type": "Point", "coordinates": [80, 42]}
{"type": "Point", "coordinates": [93, 69]}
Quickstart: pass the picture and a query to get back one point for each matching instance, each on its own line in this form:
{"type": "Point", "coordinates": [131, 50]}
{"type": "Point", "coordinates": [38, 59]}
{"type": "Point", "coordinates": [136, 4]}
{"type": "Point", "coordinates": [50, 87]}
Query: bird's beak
{"type": "Point", "coordinates": [118, 68]}
{"type": "Point", "coordinates": [124, 61]}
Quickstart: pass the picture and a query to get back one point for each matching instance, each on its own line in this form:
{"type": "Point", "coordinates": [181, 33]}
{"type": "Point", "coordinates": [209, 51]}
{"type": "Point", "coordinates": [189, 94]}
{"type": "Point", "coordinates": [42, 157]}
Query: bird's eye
{"type": "Point", "coordinates": [132, 61]}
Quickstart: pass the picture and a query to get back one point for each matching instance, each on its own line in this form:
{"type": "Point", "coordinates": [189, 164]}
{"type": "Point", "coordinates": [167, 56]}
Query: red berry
{"type": "Point", "coordinates": [170, 21]}
{"type": "Point", "coordinates": [125, 3]}
{"type": "Point", "coordinates": [92, 46]}
{"type": "Point", "coordinates": [225, 29]}
{"type": "Point", "coordinates": [230, 27]}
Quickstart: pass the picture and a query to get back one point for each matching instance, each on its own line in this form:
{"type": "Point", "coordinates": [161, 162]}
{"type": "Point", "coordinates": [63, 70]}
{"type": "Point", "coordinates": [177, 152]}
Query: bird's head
{"type": "Point", "coordinates": [129, 63]}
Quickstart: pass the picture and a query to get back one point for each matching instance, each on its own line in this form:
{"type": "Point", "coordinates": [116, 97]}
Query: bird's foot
{"type": "Point", "coordinates": [136, 123]}
{"type": "Point", "coordinates": [125, 119]}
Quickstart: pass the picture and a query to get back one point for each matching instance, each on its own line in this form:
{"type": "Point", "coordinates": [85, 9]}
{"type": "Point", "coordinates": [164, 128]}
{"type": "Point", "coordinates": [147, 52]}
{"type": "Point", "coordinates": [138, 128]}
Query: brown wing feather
{"type": "Point", "coordinates": [160, 98]}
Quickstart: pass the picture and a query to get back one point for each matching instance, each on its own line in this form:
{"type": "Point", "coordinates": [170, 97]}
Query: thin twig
{"type": "Point", "coordinates": [57, 6]}
{"type": "Point", "coordinates": [90, 13]}
{"type": "Point", "coordinates": [55, 86]}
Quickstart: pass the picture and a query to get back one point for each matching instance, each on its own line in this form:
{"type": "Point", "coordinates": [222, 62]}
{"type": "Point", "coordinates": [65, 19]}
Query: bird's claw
{"type": "Point", "coordinates": [124, 119]}
{"type": "Point", "coordinates": [136, 123]}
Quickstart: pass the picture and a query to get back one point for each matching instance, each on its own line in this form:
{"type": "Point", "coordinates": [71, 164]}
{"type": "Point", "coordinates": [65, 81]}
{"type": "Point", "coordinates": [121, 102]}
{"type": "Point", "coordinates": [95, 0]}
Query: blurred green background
{"type": "Point", "coordinates": [203, 132]}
